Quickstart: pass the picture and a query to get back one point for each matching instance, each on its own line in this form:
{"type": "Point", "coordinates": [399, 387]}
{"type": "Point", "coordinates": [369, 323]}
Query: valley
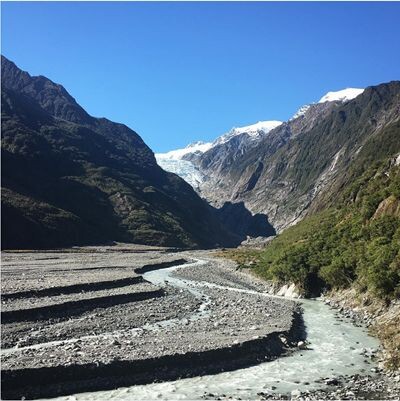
{"type": "Point", "coordinates": [108, 333]}
{"type": "Point", "coordinates": [129, 274]}
{"type": "Point", "coordinates": [188, 315]}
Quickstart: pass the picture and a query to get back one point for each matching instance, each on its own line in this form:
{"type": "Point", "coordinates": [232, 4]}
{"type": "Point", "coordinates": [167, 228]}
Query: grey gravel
{"type": "Point", "coordinates": [137, 330]}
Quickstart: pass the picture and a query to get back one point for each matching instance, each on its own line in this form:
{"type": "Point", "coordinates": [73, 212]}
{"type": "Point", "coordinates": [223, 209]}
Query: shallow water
{"type": "Point", "coordinates": [335, 349]}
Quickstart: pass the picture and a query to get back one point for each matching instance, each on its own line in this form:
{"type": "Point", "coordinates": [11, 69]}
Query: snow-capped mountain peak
{"type": "Point", "coordinates": [174, 161]}
{"type": "Point", "coordinates": [264, 126]}
{"type": "Point", "coordinates": [300, 112]}
{"type": "Point", "coordinates": [342, 96]}
{"type": "Point", "coordinates": [194, 147]}
{"type": "Point", "coordinates": [197, 145]}
{"type": "Point", "coordinates": [254, 131]}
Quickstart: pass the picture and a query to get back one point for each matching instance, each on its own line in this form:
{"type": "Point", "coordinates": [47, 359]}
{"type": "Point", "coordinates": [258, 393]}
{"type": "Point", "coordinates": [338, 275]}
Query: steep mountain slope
{"type": "Point", "coordinates": [69, 178]}
{"type": "Point", "coordinates": [355, 239]}
{"type": "Point", "coordinates": [297, 165]}
{"type": "Point", "coordinates": [351, 233]}
{"type": "Point", "coordinates": [349, 240]}
{"type": "Point", "coordinates": [199, 162]}
{"type": "Point", "coordinates": [314, 163]}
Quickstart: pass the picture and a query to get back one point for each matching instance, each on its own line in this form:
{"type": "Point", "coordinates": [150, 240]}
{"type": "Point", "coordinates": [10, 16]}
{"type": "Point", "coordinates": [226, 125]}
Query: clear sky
{"type": "Point", "coordinates": [180, 72]}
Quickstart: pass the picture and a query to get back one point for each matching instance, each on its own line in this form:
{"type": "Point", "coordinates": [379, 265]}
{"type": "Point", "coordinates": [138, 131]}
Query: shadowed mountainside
{"type": "Point", "coordinates": [241, 221]}
{"type": "Point", "coordinates": [69, 178]}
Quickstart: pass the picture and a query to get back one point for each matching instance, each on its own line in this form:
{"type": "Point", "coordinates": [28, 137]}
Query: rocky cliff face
{"type": "Point", "coordinates": [202, 163]}
{"type": "Point", "coordinates": [234, 167]}
{"type": "Point", "coordinates": [69, 178]}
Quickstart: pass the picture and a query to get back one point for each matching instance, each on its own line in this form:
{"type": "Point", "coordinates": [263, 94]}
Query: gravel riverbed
{"type": "Point", "coordinates": [90, 321]}
{"type": "Point", "coordinates": [71, 325]}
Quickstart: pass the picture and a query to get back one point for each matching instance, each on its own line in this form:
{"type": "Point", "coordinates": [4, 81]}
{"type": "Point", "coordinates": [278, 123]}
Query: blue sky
{"type": "Point", "coordinates": [180, 72]}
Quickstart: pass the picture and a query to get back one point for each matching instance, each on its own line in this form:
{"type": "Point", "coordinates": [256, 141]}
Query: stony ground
{"type": "Point", "coordinates": [223, 273]}
{"type": "Point", "coordinates": [85, 313]}
{"type": "Point", "coordinates": [77, 320]}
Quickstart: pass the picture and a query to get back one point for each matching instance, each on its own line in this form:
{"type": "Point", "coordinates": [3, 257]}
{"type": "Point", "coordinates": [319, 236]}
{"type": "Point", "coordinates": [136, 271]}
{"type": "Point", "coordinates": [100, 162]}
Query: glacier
{"type": "Point", "coordinates": [184, 168]}
{"type": "Point", "coordinates": [173, 161]}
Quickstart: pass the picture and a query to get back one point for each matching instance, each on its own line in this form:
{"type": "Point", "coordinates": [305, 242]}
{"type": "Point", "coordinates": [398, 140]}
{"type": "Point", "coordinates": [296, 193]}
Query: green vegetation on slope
{"type": "Point", "coordinates": [355, 243]}
{"type": "Point", "coordinates": [350, 240]}
{"type": "Point", "coordinates": [72, 179]}
{"type": "Point", "coordinates": [355, 246]}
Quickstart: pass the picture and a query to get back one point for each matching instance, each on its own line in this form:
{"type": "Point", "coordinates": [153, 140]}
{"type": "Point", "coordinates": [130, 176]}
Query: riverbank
{"type": "Point", "coordinates": [207, 336]}
{"type": "Point", "coordinates": [382, 320]}
{"type": "Point", "coordinates": [333, 348]}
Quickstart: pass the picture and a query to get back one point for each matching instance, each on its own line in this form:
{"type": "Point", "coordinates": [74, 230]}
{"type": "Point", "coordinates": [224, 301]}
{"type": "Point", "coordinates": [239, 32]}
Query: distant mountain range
{"type": "Point", "coordinates": [285, 170]}
{"type": "Point", "coordinates": [71, 179]}
{"type": "Point", "coordinates": [187, 163]}
{"type": "Point", "coordinates": [183, 161]}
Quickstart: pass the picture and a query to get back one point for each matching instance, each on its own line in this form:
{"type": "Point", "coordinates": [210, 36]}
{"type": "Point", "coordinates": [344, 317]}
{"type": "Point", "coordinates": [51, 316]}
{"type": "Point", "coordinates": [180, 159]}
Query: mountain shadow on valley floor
{"type": "Point", "coordinates": [239, 220]}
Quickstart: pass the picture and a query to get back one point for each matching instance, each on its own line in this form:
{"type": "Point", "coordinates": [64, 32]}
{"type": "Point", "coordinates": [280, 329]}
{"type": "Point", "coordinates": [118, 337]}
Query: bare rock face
{"type": "Point", "coordinates": [388, 207]}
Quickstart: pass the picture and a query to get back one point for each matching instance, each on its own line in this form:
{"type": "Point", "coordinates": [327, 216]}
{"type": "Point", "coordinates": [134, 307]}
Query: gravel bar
{"type": "Point", "coordinates": [77, 343]}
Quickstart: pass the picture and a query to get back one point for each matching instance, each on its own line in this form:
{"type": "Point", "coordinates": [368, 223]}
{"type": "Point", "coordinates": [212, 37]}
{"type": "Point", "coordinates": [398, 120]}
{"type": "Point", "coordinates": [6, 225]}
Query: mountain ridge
{"type": "Point", "coordinates": [263, 126]}
{"type": "Point", "coordinates": [255, 175]}
{"type": "Point", "coordinates": [72, 179]}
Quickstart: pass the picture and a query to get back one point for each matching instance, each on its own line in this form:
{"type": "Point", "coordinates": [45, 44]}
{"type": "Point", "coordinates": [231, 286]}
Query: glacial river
{"type": "Point", "coordinates": [335, 349]}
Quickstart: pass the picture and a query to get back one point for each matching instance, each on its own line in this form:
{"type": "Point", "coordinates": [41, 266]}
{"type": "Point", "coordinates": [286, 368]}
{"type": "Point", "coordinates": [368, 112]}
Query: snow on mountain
{"type": "Point", "coordinates": [191, 148]}
{"type": "Point", "coordinates": [254, 131]}
{"type": "Point", "coordinates": [300, 112]}
{"type": "Point", "coordinates": [173, 162]}
{"type": "Point", "coordinates": [343, 95]}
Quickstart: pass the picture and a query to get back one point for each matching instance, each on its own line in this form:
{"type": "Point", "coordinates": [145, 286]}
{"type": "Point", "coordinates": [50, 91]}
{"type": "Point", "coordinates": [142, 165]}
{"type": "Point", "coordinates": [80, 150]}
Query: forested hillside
{"type": "Point", "coordinates": [353, 243]}
{"type": "Point", "coordinates": [72, 179]}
